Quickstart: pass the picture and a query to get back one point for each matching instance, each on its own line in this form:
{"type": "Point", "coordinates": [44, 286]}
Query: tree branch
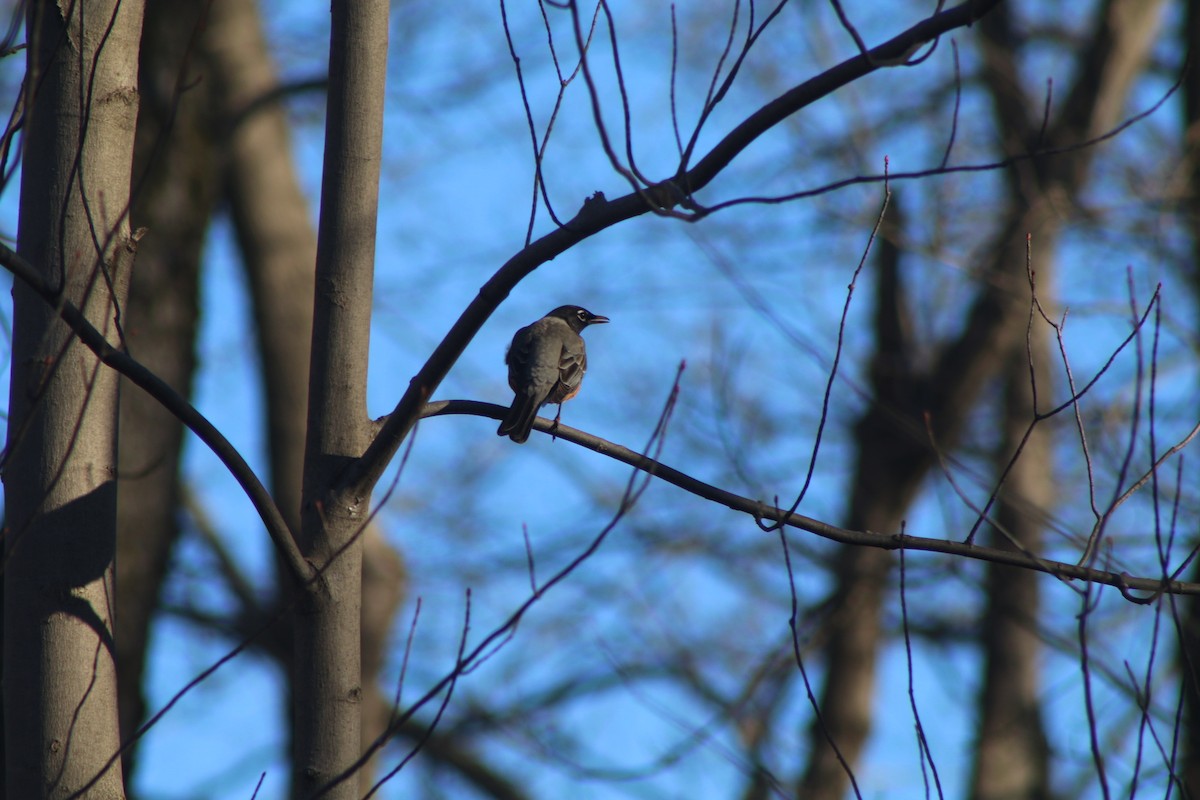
{"type": "Point", "coordinates": [761, 511]}
{"type": "Point", "coordinates": [598, 213]}
{"type": "Point", "coordinates": [175, 403]}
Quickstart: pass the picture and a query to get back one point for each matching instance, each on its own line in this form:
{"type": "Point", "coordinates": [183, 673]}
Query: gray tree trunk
{"type": "Point", "coordinates": [60, 691]}
{"type": "Point", "coordinates": [328, 692]}
{"type": "Point", "coordinates": [1012, 755]}
{"type": "Point", "coordinates": [177, 185]}
{"type": "Point", "coordinates": [273, 223]}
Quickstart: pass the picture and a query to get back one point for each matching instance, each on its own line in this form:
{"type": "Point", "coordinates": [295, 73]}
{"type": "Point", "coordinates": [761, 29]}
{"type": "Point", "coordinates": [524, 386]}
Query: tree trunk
{"type": "Point", "coordinates": [60, 692]}
{"type": "Point", "coordinates": [1012, 754]}
{"type": "Point", "coordinates": [275, 234]}
{"type": "Point", "coordinates": [894, 455]}
{"type": "Point", "coordinates": [328, 676]}
{"type": "Point", "coordinates": [278, 244]}
{"type": "Point", "coordinates": [177, 183]}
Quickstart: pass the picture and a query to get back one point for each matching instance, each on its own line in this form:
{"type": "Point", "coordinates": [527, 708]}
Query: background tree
{"type": "Point", "coordinates": [212, 128]}
{"type": "Point", "coordinates": [175, 155]}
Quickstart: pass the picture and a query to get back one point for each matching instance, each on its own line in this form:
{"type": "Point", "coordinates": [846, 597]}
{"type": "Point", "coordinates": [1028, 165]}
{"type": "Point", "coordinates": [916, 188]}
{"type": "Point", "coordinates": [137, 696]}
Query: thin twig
{"type": "Point", "coordinates": [926, 753]}
{"type": "Point", "coordinates": [490, 644]}
{"type": "Point", "coordinates": [837, 354]}
{"type": "Point", "coordinates": [957, 105]}
{"type": "Point", "coordinates": [793, 619]}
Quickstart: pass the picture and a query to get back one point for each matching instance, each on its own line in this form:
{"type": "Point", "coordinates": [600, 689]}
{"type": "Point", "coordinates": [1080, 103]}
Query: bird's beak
{"type": "Point", "coordinates": [597, 318]}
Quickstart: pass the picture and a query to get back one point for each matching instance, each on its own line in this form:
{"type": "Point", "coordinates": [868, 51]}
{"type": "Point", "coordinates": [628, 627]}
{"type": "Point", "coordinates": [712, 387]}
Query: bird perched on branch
{"type": "Point", "coordinates": [546, 362]}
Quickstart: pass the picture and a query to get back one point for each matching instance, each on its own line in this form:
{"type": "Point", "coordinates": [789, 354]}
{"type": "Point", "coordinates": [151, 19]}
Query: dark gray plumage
{"type": "Point", "coordinates": [546, 364]}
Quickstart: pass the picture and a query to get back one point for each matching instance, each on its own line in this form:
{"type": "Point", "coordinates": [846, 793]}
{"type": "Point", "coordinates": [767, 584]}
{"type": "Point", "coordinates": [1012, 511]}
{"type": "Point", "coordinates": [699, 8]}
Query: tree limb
{"type": "Point", "coordinates": [171, 400]}
{"type": "Point", "coordinates": [598, 213]}
{"type": "Point", "coordinates": [1124, 582]}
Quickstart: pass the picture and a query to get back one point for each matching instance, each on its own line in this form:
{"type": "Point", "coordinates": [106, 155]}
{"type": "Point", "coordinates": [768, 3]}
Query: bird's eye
{"type": "Point", "coordinates": [582, 314]}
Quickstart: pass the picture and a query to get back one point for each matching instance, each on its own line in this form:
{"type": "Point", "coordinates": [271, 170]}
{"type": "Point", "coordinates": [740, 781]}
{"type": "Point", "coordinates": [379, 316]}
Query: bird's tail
{"type": "Point", "coordinates": [518, 422]}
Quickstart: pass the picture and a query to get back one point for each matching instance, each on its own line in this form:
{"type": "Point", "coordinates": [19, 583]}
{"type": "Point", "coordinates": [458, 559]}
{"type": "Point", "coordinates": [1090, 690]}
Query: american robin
{"type": "Point", "coordinates": [546, 362]}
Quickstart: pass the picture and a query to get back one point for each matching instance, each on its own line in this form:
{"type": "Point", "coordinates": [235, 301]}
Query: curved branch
{"type": "Point", "coordinates": [598, 213]}
{"type": "Point", "coordinates": [494, 641]}
{"type": "Point", "coordinates": [173, 402]}
{"type": "Point", "coordinates": [891, 53]}
{"type": "Point", "coordinates": [761, 511]}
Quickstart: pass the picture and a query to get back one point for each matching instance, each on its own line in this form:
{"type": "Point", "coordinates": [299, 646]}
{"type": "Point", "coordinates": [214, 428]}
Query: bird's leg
{"type": "Point", "coordinates": [554, 426]}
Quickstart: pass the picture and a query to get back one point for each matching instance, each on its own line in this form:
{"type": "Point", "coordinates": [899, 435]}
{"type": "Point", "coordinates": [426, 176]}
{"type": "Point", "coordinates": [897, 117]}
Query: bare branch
{"type": "Point", "coordinates": [923, 748]}
{"type": "Point", "coordinates": [886, 541]}
{"type": "Point", "coordinates": [600, 213]}
{"type": "Point", "coordinates": [634, 489]}
{"type": "Point", "coordinates": [175, 403]}
{"type": "Point", "coordinates": [837, 353]}
{"type": "Point", "coordinates": [793, 620]}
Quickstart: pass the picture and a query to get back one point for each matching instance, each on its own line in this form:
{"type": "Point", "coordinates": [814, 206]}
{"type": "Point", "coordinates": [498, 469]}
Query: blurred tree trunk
{"type": "Point", "coordinates": [214, 127]}
{"type": "Point", "coordinates": [891, 463]}
{"type": "Point", "coordinates": [894, 455]}
{"type": "Point", "coordinates": [278, 245]}
{"type": "Point", "coordinates": [224, 133]}
{"type": "Point", "coordinates": [60, 687]}
{"type": "Point", "coordinates": [273, 224]}
{"type": "Point", "coordinates": [1012, 754]}
{"type": "Point", "coordinates": [176, 192]}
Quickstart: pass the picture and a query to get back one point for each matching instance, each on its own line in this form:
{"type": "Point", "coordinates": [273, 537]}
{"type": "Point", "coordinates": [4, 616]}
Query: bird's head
{"type": "Point", "coordinates": [577, 317]}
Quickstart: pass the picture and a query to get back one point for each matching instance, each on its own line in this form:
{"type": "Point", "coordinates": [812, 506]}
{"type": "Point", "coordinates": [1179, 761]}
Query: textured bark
{"type": "Point", "coordinates": [176, 189]}
{"type": "Point", "coordinates": [1012, 754]}
{"type": "Point", "coordinates": [328, 688]}
{"type": "Point", "coordinates": [60, 692]}
{"type": "Point", "coordinates": [893, 453]}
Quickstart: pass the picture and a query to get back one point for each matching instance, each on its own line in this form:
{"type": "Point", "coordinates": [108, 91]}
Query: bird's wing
{"type": "Point", "coordinates": [572, 364]}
